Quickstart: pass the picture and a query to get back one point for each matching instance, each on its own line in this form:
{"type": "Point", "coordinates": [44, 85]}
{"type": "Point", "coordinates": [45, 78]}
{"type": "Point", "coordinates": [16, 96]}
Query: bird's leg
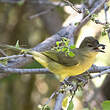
{"type": "Point", "coordinates": [68, 83]}
{"type": "Point", "coordinates": [63, 86]}
{"type": "Point", "coordinates": [81, 80]}
{"type": "Point", "coordinates": [72, 84]}
{"type": "Point", "coordinates": [88, 74]}
{"type": "Point", "coordinates": [77, 85]}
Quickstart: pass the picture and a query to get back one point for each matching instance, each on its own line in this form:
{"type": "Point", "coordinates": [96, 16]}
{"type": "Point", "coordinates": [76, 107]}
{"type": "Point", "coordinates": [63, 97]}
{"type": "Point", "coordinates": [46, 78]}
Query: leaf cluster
{"type": "Point", "coordinates": [63, 46]}
{"type": "Point", "coordinates": [105, 29]}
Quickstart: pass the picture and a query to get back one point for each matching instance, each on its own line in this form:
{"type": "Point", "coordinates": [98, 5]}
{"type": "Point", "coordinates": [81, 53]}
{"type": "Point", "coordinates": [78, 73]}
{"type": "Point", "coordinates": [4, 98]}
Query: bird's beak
{"type": "Point", "coordinates": [100, 48]}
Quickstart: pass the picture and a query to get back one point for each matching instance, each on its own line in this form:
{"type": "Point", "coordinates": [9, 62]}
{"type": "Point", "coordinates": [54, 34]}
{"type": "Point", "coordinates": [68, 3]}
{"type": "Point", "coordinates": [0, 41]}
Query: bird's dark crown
{"type": "Point", "coordinates": [89, 42]}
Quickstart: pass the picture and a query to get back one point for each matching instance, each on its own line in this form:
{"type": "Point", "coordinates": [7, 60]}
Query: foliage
{"type": "Point", "coordinates": [76, 23]}
{"type": "Point", "coordinates": [17, 44]}
{"type": "Point", "coordinates": [106, 105]}
{"type": "Point", "coordinates": [106, 28]}
{"type": "Point", "coordinates": [4, 61]}
{"type": "Point", "coordinates": [68, 103]}
{"type": "Point", "coordinates": [70, 107]}
{"type": "Point", "coordinates": [21, 2]}
{"type": "Point", "coordinates": [63, 46]}
{"type": "Point", "coordinates": [44, 107]}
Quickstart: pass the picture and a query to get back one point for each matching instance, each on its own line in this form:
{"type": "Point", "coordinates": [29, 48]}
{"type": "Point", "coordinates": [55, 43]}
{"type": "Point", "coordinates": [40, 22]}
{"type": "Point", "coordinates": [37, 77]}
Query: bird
{"type": "Point", "coordinates": [64, 65]}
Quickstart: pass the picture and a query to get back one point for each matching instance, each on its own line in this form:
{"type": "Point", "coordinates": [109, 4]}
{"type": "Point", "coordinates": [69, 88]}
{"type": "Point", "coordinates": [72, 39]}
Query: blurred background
{"type": "Point", "coordinates": [20, 20]}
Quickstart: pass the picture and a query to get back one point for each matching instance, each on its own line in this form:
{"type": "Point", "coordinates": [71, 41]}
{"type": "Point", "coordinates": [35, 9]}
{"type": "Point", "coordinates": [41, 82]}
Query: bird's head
{"type": "Point", "coordinates": [92, 44]}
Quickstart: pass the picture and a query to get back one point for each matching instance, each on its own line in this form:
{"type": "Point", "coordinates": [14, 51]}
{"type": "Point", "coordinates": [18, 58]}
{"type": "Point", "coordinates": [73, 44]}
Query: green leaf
{"type": "Point", "coordinates": [66, 43]}
{"type": "Point", "coordinates": [103, 33]}
{"type": "Point", "coordinates": [71, 54]}
{"type": "Point", "coordinates": [72, 47]}
{"type": "Point", "coordinates": [76, 24]}
{"type": "Point", "coordinates": [46, 107]}
{"type": "Point", "coordinates": [4, 62]}
{"type": "Point", "coordinates": [43, 107]}
{"type": "Point", "coordinates": [20, 3]}
{"type": "Point", "coordinates": [58, 49]}
{"type": "Point", "coordinates": [106, 105]}
{"type": "Point", "coordinates": [70, 106]}
{"type": "Point", "coordinates": [64, 49]}
{"type": "Point", "coordinates": [65, 39]}
{"type": "Point", "coordinates": [87, 11]}
{"type": "Point", "coordinates": [57, 43]}
{"type": "Point", "coordinates": [94, 15]}
{"type": "Point", "coordinates": [92, 18]}
{"type": "Point", "coordinates": [17, 44]}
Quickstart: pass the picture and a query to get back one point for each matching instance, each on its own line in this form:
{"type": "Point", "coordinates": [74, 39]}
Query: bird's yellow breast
{"type": "Point", "coordinates": [65, 71]}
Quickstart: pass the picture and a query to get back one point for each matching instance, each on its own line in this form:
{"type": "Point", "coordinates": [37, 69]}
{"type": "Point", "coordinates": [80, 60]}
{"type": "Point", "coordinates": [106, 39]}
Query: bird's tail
{"type": "Point", "coordinates": [42, 59]}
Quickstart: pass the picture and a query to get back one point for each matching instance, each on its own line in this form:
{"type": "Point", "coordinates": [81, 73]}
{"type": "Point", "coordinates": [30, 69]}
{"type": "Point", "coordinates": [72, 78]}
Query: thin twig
{"type": "Point", "coordinates": [99, 22]}
{"type": "Point", "coordinates": [41, 13]}
{"type": "Point", "coordinates": [106, 7]}
{"type": "Point", "coordinates": [105, 10]}
{"type": "Point", "coordinates": [50, 98]}
{"type": "Point", "coordinates": [74, 8]}
{"type": "Point", "coordinates": [15, 56]}
{"type": "Point", "coordinates": [3, 53]}
{"type": "Point", "coordinates": [101, 73]}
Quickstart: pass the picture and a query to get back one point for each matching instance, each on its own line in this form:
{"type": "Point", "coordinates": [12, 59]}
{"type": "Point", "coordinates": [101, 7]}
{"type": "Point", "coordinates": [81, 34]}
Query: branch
{"type": "Point", "coordinates": [105, 10]}
{"type": "Point", "coordinates": [15, 56]}
{"type": "Point", "coordinates": [101, 73]}
{"type": "Point", "coordinates": [72, 6]}
{"type": "Point", "coordinates": [24, 71]}
{"type": "Point", "coordinates": [58, 104]}
{"type": "Point", "coordinates": [5, 69]}
{"type": "Point", "coordinates": [87, 18]}
{"type": "Point", "coordinates": [2, 53]}
{"type": "Point", "coordinates": [41, 13]}
{"type": "Point", "coordinates": [96, 69]}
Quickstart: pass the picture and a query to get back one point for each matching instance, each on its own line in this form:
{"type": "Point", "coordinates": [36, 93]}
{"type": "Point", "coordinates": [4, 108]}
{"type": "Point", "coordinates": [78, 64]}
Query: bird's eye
{"type": "Point", "coordinates": [89, 45]}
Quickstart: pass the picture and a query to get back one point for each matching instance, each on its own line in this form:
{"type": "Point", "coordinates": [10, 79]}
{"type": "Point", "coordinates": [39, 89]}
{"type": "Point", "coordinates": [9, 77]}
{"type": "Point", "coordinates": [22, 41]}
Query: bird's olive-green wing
{"type": "Point", "coordinates": [61, 58]}
{"type": "Point", "coordinates": [51, 54]}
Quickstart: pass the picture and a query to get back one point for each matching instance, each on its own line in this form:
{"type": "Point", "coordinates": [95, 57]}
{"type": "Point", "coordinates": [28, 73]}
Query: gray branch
{"type": "Point", "coordinates": [15, 56]}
